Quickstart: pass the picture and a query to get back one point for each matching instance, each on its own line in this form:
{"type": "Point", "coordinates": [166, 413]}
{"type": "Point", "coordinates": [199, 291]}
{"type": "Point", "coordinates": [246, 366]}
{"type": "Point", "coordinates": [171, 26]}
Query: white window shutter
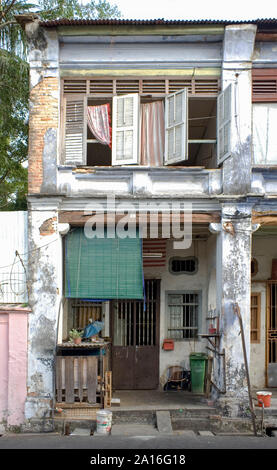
{"type": "Point", "coordinates": [75, 130]}
{"type": "Point", "coordinates": [224, 117]}
{"type": "Point", "coordinates": [125, 128]}
{"type": "Point", "coordinates": [176, 127]}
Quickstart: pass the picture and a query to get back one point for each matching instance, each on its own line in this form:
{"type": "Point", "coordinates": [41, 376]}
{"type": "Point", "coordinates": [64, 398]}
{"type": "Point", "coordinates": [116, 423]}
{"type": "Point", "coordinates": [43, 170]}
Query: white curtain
{"type": "Point", "coordinates": [99, 118]}
{"type": "Point", "coordinates": [152, 133]}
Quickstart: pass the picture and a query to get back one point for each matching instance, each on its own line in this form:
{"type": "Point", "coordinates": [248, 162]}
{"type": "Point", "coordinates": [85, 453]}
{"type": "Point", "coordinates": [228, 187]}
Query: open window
{"type": "Point", "coordinates": [164, 127]}
{"type": "Point", "coordinates": [99, 132]}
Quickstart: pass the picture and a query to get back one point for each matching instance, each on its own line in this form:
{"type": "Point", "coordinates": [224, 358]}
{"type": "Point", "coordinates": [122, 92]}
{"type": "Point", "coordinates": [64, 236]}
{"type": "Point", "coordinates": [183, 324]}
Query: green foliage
{"type": "Point", "coordinates": [54, 9]}
{"type": "Point", "coordinates": [14, 87]}
{"type": "Point", "coordinates": [12, 37]}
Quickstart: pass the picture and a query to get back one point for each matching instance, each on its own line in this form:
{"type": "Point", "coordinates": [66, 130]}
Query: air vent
{"type": "Point", "coordinates": [101, 86]}
{"type": "Point", "coordinates": [176, 85]}
{"type": "Point", "coordinates": [265, 89]}
{"type": "Point", "coordinates": [75, 86]}
{"type": "Point", "coordinates": [153, 86]}
{"type": "Point", "coordinates": [264, 85]}
{"type": "Point", "coordinates": [127, 86]}
{"type": "Point", "coordinates": [206, 87]}
{"type": "Point", "coordinates": [146, 86]}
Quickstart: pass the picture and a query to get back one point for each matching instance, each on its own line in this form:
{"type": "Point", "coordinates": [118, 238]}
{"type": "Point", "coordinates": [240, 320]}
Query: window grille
{"type": "Point", "coordinates": [183, 312]}
{"type": "Point", "coordinates": [83, 311]}
{"type": "Point", "coordinates": [255, 317]}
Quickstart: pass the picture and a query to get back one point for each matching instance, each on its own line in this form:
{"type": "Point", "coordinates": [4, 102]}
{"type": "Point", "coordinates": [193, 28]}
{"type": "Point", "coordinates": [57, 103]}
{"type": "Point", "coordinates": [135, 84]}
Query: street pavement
{"type": "Point", "coordinates": [183, 450]}
{"type": "Point", "coordinates": [185, 440]}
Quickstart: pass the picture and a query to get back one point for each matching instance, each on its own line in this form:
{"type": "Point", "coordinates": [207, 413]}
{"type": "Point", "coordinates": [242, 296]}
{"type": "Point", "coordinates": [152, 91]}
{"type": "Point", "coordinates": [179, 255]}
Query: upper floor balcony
{"type": "Point", "coordinates": [143, 136]}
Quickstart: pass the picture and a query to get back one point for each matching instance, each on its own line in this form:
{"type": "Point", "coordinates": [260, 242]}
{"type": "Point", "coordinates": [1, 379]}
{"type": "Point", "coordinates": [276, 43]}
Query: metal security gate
{"type": "Point", "coordinates": [135, 341]}
{"type": "Point", "coordinates": [271, 347]}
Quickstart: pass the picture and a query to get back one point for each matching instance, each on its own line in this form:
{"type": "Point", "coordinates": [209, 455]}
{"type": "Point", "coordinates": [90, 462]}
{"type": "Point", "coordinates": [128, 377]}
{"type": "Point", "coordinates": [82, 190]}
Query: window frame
{"type": "Point", "coordinates": [258, 307]}
{"type": "Point", "coordinates": [199, 315]}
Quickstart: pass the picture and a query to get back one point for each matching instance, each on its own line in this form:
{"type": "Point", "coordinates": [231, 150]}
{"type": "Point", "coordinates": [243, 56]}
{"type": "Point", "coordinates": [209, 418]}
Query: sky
{"type": "Point", "coordinates": [197, 10]}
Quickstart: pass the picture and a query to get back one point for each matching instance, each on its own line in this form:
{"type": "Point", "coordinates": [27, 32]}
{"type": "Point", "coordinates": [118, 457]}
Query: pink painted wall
{"type": "Point", "coordinates": [13, 364]}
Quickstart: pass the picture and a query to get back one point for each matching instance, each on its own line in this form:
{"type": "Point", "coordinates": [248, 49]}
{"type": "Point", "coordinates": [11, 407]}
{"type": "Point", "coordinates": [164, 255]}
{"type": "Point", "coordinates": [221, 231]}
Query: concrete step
{"type": "Point", "coordinates": [135, 430]}
{"type": "Point", "coordinates": [148, 416]}
{"type": "Point", "coordinates": [164, 425]}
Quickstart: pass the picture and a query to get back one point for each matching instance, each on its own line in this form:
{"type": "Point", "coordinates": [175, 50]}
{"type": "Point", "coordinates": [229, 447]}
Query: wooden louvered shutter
{"type": "Point", "coordinates": [125, 141]}
{"type": "Point", "coordinates": [224, 117]}
{"type": "Point", "coordinates": [176, 127]}
{"type": "Point", "coordinates": [75, 130]}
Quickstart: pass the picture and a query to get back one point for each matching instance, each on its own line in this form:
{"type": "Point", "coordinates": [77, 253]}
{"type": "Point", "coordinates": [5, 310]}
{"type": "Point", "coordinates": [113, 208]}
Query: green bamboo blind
{"type": "Point", "coordinates": [103, 268]}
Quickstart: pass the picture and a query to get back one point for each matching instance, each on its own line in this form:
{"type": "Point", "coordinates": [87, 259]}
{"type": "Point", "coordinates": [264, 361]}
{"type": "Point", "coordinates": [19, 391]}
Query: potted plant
{"type": "Point", "coordinates": [75, 336]}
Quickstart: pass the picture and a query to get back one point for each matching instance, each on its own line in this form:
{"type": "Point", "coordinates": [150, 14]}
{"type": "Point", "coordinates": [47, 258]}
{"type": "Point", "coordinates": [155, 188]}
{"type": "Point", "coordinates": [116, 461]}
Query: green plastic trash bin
{"type": "Point", "coordinates": [198, 363]}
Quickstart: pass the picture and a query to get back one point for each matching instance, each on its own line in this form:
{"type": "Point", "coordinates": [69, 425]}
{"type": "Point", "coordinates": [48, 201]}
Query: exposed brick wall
{"type": "Point", "coordinates": [44, 115]}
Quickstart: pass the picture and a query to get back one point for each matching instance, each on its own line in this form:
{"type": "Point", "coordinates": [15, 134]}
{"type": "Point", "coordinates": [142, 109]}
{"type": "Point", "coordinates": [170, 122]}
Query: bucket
{"type": "Point", "coordinates": [104, 421]}
{"type": "Point", "coordinates": [265, 397]}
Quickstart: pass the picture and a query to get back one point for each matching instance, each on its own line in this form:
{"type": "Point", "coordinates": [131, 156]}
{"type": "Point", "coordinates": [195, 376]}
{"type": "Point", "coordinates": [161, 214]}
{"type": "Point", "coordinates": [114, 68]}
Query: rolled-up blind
{"type": "Point", "coordinates": [103, 268]}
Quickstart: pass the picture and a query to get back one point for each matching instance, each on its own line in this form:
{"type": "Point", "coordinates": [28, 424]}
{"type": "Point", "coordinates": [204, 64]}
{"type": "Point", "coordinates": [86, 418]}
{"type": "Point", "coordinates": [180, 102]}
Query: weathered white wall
{"type": "Point", "coordinates": [45, 275]}
{"type": "Point", "coordinates": [139, 51]}
{"type": "Point", "coordinates": [264, 250]}
{"type": "Point", "coordinates": [182, 282]}
{"type": "Point", "coordinates": [126, 181]}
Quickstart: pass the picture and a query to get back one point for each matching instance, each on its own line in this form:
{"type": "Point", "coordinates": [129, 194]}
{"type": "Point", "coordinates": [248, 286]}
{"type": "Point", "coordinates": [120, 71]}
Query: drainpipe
{"type": "Point", "coordinates": [237, 312]}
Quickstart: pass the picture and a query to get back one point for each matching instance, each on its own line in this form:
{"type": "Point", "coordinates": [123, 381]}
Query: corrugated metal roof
{"type": "Point", "coordinates": [154, 22]}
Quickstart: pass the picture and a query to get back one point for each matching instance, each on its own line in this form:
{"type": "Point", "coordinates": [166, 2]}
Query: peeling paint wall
{"type": "Point", "coordinates": [45, 276]}
{"type": "Point", "coordinates": [233, 280]}
{"type": "Point", "coordinates": [236, 70]}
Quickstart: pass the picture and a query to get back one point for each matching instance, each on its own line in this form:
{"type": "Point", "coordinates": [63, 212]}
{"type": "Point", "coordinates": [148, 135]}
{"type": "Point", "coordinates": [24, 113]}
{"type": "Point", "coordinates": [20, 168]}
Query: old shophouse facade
{"type": "Point", "coordinates": [152, 115]}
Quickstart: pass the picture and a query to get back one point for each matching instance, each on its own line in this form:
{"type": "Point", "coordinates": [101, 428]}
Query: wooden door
{"type": "Point", "coordinates": [135, 341]}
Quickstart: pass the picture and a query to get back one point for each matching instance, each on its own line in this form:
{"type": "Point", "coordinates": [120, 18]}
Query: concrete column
{"type": "Point", "coordinates": [45, 284]}
{"type": "Point", "coordinates": [233, 286]}
{"type": "Point", "coordinates": [238, 50]}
